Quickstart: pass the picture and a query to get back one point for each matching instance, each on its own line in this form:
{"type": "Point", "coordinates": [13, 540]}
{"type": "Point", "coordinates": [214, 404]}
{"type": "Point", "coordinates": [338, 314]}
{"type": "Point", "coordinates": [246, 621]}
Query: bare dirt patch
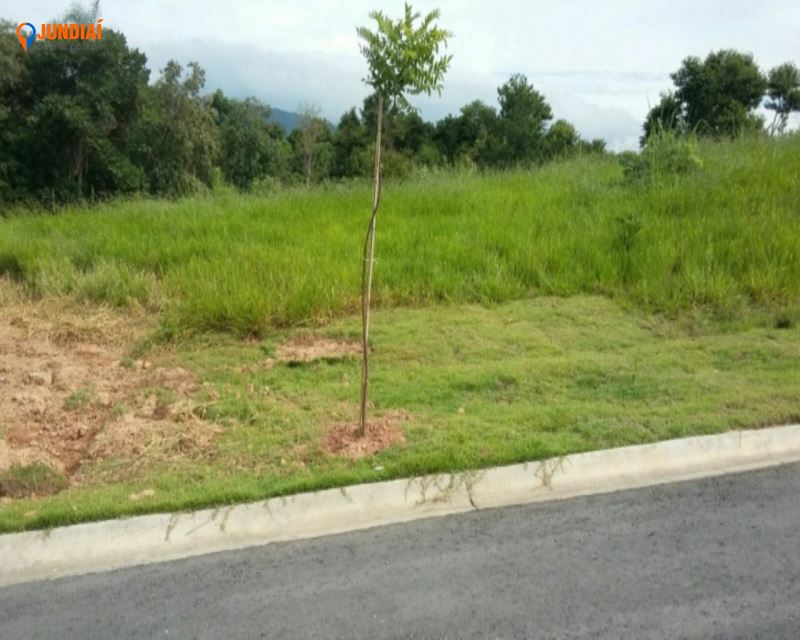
{"type": "Point", "coordinates": [68, 395]}
{"type": "Point", "coordinates": [307, 348]}
{"type": "Point", "coordinates": [344, 440]}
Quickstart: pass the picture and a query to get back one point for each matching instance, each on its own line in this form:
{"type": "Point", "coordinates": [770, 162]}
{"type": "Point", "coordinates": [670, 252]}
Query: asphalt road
{"type": "Point", "coordinates": [717, 558]}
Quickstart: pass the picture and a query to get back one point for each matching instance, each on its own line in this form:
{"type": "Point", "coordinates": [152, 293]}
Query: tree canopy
{"type": "Point", "coordinates": [783, 94]}
{"type": "Point", "coordinates": [402, 56]}
{"type": "Point", "coordinates": [720, 95]}
{"type": "Point", "coordinates": [522, 122]}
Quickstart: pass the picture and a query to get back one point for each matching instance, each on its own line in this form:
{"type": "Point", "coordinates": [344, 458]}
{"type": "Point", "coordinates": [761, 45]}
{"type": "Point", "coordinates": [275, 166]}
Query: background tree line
{"type": "Point", "coordinates": [90, 123]}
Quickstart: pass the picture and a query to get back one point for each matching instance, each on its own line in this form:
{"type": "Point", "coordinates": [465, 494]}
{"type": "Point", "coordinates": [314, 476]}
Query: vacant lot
{"type": "Point", "coordinates": [165, 355]}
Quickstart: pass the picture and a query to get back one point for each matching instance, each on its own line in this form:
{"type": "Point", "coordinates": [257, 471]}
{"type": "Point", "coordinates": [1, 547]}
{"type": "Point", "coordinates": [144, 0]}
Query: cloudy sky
{"type": "Point", "coordinates": [599, 62]}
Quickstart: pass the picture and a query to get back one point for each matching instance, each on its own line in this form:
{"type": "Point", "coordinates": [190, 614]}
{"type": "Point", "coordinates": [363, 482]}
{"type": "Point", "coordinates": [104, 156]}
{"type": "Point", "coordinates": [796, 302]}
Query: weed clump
{"type": "Point", "coordinates": [627, 229]}
{"type": "Point", "coordinates": [35, 479]}
{"type": "Point", "coordinates": [80, 399]}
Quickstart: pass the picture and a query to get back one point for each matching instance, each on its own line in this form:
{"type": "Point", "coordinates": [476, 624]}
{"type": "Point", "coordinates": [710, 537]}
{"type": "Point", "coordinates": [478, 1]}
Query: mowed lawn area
{"type": "Point", "coordinates": [519, 316]}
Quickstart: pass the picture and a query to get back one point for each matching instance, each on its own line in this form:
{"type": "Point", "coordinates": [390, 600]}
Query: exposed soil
{"type": "Point", "coordinates": [68, 395]}
{"type": "Point", "coordinates": [307, 348]}
{"type": "Point", "coordinates": [344, 440]}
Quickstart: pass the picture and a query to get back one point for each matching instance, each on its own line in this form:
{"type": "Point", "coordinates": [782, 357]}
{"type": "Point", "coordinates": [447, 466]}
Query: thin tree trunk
{"type": "Point", "coordinates": [309, 162]}
{"type": "Point", "coordinates": [773, 127]}
{"type": "Point", "coordinates": [366, 272]}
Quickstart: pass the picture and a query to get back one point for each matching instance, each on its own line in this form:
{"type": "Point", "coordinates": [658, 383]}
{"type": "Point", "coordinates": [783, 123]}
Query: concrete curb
{"type": "Point", "coordinates": [114, 544]}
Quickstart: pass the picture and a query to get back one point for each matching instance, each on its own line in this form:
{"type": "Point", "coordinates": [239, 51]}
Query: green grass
{"type": "Point", "coordinates": [482, 385]}
{"type": "Point", "coordinates": [519, 316]}
{"type": "Point", "coordinates": [80, 399]}
{"type": "Point", "coordinates": [726, 237]}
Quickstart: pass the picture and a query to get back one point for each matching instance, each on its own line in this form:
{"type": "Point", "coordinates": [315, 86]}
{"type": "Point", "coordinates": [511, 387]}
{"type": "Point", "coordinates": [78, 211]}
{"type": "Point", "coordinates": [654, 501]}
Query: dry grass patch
{"type": "Point", "coordinates": [308, 348]}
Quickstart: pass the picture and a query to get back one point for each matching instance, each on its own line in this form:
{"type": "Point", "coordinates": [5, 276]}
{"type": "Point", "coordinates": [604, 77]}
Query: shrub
{"type": "Point", "coordinates": [665, 154]}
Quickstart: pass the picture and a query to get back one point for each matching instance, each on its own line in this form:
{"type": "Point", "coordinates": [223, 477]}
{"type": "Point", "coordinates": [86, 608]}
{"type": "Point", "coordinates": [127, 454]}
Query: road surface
{"type": "Point", "coordinates": [716, 558]}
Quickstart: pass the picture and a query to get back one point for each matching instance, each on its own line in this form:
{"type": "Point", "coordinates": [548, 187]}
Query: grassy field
{"type": "Point", "coordinates": [520, 316]}
{"type": "Point", "coordinates": [725, 237]}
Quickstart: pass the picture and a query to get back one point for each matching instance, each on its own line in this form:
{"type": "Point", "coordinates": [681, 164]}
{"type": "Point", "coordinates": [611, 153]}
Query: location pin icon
{"type": "Point", "coordinates": [24, 41]}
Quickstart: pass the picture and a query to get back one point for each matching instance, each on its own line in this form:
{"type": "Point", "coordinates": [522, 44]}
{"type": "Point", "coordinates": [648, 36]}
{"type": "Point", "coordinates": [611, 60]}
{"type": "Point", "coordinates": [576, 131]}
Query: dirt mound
{"type": "Point", "coordinates": [344, 440]}
{"type": "Point", "coordinates": [68, 395]}
{"type": "Point", "coordinates": [307, 348]}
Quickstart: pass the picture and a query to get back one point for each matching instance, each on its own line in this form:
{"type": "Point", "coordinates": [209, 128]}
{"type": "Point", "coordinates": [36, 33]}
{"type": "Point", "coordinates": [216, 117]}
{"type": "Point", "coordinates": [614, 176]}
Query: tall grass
{"type": "Point", "coordinates": [725, 236]}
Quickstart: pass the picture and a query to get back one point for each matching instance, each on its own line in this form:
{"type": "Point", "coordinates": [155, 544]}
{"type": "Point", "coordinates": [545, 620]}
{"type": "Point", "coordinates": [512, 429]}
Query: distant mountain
{"type": "Point", "coordinates": [287, 119]}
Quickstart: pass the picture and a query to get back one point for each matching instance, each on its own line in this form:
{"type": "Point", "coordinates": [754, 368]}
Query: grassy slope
{"type": "Point", "coordinates": [727, 236]}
